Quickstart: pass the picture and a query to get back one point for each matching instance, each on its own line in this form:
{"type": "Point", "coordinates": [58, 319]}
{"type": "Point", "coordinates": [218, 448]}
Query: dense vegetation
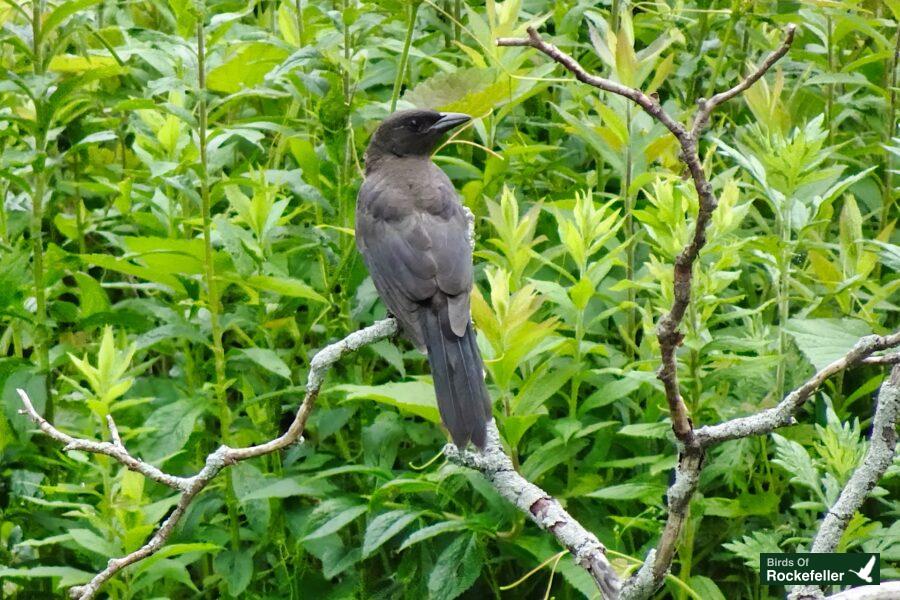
{"type": "Point", "coordinates": [175, 248]}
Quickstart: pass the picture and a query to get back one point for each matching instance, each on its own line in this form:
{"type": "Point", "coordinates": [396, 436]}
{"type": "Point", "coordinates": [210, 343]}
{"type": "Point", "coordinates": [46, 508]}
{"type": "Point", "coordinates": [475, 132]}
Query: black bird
{"type": "Point", "coordinates": [413, 236]}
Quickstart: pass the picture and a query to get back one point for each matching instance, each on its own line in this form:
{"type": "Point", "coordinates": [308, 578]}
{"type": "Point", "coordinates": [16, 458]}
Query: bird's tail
{"type": "Point", "coordinates": [458, 374]}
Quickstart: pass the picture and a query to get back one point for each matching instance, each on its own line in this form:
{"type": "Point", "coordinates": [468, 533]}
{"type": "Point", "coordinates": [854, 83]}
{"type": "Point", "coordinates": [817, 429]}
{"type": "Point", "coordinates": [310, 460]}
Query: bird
{"type": "Point", "coordinates": [866, 572]}
{"type": "Point", "coordinates": [412, 232]}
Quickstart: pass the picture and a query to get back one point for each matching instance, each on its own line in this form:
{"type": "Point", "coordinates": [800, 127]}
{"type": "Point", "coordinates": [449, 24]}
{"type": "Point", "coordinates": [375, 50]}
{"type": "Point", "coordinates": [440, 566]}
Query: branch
{"type": "Point", "coordinates": [707, 106]}
{"type": "Point", "coordinates": [114, 450]}
{"type": "Point", "coordinates": [541, 508]}
{"type": "Point", "coordinates": [652, 573]}
{"type": "Point", "coordinates": [783, 414]}
{"type": "Point", "coordinates": [648, 103]}
{"type": "Point", "coordinates": [879, 456]}
{"type": "Point", "coordinates": [888, 590]}
{"type": "Point", "coordinates": [691, 452]}
{"type": "Point", "coordinates": [882, 359]}
{"type": "Point", "coordinates": [215, 462]}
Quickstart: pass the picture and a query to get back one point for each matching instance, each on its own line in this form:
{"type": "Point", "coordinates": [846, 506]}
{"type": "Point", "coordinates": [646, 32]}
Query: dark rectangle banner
{"type": "Point", "coordinates": [820, 569]}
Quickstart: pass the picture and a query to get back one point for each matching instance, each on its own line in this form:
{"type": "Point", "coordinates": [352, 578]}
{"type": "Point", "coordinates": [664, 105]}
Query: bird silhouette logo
{"type": "Point", "coordinates": [866, 572]}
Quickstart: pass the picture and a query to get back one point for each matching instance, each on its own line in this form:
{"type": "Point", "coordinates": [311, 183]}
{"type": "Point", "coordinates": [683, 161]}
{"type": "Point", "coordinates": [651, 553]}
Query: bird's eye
{"type": "Point", "coordinates": [414, 124]}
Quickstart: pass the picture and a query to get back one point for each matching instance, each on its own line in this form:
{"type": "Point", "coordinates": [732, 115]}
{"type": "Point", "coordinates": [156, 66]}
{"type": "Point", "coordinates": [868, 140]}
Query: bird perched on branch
{"type": "Point", "coordinates": [412, 232]}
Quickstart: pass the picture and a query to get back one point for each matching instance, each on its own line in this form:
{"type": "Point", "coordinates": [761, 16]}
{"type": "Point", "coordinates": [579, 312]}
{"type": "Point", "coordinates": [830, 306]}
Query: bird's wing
{"type": "Point", "coordinates": [415, 248]}
{"type": "Point", "coordinates": [866, 570]}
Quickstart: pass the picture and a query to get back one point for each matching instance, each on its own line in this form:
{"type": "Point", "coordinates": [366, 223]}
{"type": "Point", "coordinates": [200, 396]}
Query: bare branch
{"type": "Point", "coordinates": [879, 456]}
{"type": "Point", "coordinates": [888, 590]}
{"type": "Point", "coordinates": [215, 462]}
{"type": "Point", "coordinates": [113, 450]}
{"type": "Point", "coordinates": [114, 432]}
{"type": "Point", "coordinates": [541, 508]}
{"type": "Point", "coordinates": [652, 573]}
{"type": "Point", "coordinates": [882, 359]}
{"type": "Point", "coordinates": [707, 106]}
{"type": "Point", "coordinates": [783, 414]}
{"type": "Point", "coordinates": [648, 103]}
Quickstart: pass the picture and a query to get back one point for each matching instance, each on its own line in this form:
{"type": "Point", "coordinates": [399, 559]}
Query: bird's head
{"type": "Point", "coordinates": [412, 132]}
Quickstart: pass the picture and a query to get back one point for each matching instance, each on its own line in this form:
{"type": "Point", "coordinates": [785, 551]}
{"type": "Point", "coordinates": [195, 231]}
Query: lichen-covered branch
{"type": "Point", "coordinates": [215, 462]}
{"type": "Point", "coordinates": [114, 450]}
{"type": "Point", "coordinates": [883, 359]}
{"type": "Point", "coordinates": [783, 413]}
{"type": "Point", "coordinates": [650, 576]}
{"type": "Point", "coordinates": [888, 590]}
{"type": "Point", "coordinates": [879, 456]}
{"type": "Point", "coordinates": [541, 508]}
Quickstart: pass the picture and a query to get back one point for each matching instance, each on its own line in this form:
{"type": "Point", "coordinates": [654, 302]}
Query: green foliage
{"type": "Point", "coordinates": [113, 303]}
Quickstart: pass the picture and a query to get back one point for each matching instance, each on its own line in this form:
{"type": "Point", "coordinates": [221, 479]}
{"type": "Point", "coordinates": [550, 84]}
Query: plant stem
{"type": "Point", "coordinates": [212, 296]}
{"type": "Point", "coordinates": [79, 216]}
{"type": "Point", "coordinates": [299, 7]}
{"type": "Point", "coordinates": [829, 100]}
{"type": "Point", "coordinates": [631, 315]}
{"type": "Point", "coordinates": [3, 227]}
{"type": "Point", "coordinates": [39, 186]}
{"type": "Point", "coordinates": [404, 56]}
{"type": "Point", "coordinates": [723, 49]}
{"type": "Point", "coordinates": [890, 128]}
{"type": "Point", "coordinates": [784, 271]}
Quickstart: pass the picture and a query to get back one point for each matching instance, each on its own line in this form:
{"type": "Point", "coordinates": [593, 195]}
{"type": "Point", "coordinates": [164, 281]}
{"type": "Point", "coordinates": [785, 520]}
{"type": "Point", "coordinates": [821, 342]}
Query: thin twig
{"type": "Point", "coordinates": [882, 359]}
{"type": "Point", "coordinates": [109, 449]}
{"type": "Point", "coordinates": [215, 462]}
{"type": "Point", "coordinates": [783, 413]}
{"type": "Point", "coordinates": [707, 106]}
{"type": "Point", "coordinates": [114, 432]}
{"type": "Point", "coordinates": [541, 508]}
{"type": "Point", "coordinates": [648, 103]}
{"type": "Point", "coordinates": [879, 456]}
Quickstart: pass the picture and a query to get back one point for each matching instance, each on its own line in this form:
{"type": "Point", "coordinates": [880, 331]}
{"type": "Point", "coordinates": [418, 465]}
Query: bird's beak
{"type": "Point", "coordinates": [448, 121]}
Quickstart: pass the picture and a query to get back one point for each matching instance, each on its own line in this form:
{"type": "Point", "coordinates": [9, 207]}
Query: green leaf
{"type": "Point", "coordinates": [337, 521]}
{"type": "Point", "coordinates": [121, 265]}
{"type": "Point", "coordinates": [471, 91]}
{"type": "Point", "coordinates": [657, 431]}
{"type": "Point", "coordinates": [292, 288]}
{"type": "Point", "coordinates": [170, 427]}
{"type": "Point", "coordinates": [67, 575]}
{"type": "Point", "coordinates": [415, 397]}
{"type": "Point", "coordinates": [267, 359]}
{"type": "Point", "coordinates": [281, 488]}
{"type": "Point", "coordinates": [92, 542]}
{"type": "Point", "coordinates": [797, 462]}
{"type": "Point", "coordinates": [92, 297]}
{"type": "Point", "coordinates": [705, 588]}
{"type": "Point", "coordinates": [33, 383]}
{"type": "Point", "coordinates": [385, 526]}
{"type": "Point", "coordinates": [456, 569]}
{"type": "Point", "coordinates": [431, 531]}
{"type": "Point", "coordinates": [235, 568]}
{"type": "Point", "coordinates": [61, 12]}
{"type": "Point", "coordinates": [246, 66]}
{"type": "Point", "coordinates": [751, 546]}
{"type": "Point", "coordinates": [103, 65]}
{"type": "Point", "coordinates": [822, 341]}
{"type": "Point", "coordinates": [648, 493]}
